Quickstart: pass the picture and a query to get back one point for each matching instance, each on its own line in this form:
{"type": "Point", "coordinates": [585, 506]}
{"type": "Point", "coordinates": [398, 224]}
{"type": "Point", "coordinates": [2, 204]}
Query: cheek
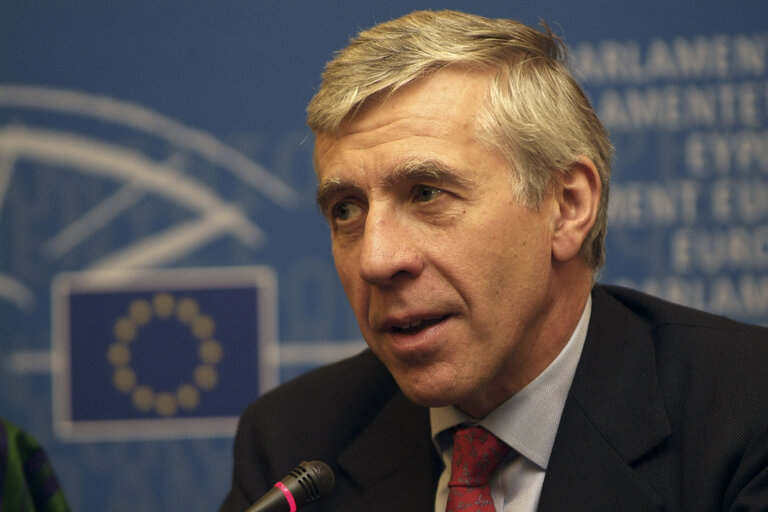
{"type": "Point", "coordinates": [343, 260]}
{"type": "Point", "coordinates": [354, 287]}
{"type": "Point", "coordinates": [345, 273]}
{"type": "Point", "coordinates": [505, 262]}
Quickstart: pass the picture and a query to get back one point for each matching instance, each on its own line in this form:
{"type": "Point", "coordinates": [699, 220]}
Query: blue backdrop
{"type": "Point", "coordinates": [170, 135]}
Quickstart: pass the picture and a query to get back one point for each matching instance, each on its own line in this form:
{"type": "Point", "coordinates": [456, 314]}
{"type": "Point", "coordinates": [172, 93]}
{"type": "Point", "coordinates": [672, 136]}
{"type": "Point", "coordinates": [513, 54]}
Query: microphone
{"type": "Point", "coordinates": [306, 483]}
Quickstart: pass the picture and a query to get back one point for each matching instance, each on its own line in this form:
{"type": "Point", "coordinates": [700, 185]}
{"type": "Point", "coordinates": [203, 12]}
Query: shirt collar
{"type": "Point", "coordinates": [528, 420]}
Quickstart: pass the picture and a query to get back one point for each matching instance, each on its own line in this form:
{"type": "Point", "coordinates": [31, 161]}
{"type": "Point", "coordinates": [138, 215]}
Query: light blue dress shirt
{"type": "Point", "coordinates": [527, 422]}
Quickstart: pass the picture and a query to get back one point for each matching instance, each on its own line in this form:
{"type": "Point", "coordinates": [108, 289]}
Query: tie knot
{"type": "Point", "coordinates": [476, 454]}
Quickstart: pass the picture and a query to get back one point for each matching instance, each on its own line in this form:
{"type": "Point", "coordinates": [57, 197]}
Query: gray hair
{"type": "Point", "coordinates": [535, 115]}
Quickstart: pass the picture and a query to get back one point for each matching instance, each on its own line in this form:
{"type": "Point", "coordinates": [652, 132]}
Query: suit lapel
{"type": "Point", "coordinates": [613, 416]}
{"type": "Point", "coordinates": [393, 462]}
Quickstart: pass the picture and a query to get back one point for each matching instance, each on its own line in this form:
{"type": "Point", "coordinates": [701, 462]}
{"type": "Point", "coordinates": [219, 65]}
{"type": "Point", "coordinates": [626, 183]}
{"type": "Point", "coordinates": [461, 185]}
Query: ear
{"type": "Point", "coordinates": [577, 195]}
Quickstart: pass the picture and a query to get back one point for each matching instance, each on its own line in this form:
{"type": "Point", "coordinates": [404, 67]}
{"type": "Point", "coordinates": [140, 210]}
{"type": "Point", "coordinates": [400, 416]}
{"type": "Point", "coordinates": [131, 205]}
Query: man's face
{"type": "Point", "coordinates": [448, 275]}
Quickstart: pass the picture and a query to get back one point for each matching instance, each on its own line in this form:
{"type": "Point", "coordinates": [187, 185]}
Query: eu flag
{"type": "Point", "coordinates": [161, 353]}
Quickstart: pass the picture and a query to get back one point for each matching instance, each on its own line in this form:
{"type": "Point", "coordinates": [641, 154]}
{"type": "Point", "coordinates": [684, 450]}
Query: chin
{"type": "Point", "coordinates": [428, 395]}
{"type": "Point", "coordinates": [428, 385]}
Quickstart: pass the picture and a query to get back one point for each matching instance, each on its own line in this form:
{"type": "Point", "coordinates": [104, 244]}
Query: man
{"type": "Point", "coordinates": [465, 177]}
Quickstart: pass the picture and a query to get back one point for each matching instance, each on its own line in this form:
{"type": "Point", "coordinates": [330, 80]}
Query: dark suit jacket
{"type": "Point", "coordinates": [668, 411]}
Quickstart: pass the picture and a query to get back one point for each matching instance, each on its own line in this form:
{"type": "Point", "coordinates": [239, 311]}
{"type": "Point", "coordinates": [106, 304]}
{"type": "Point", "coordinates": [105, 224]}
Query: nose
{"type": "Point", "coordinates": [390, 252]}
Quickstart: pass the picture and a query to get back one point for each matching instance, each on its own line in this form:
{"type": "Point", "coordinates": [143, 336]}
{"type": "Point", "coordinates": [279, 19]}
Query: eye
{"type": "Point", "coordinates": [425, 193]}
{"type": "Point", "coordinates": [345, 211]}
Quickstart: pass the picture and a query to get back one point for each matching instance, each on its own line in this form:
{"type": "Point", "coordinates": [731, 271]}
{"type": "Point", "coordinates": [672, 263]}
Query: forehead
{"type": "Point", "coordinates": [433, 114]}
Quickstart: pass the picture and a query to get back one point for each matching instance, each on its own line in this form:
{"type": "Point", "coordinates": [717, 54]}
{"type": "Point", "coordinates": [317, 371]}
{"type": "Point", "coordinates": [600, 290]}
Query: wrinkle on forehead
{"type": "Point", "coordinates": [432, 85]}
{"type": "Point", "coordinates": [436, 111]}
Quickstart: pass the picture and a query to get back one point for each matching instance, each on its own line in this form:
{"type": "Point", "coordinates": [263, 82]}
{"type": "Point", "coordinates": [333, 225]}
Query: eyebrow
{"type": "Point", "coordinates": [330, 188]}
{"type": "Point", "coordinates": [414, 170]}
{"type": "Point", "coordinates": [428, 170]}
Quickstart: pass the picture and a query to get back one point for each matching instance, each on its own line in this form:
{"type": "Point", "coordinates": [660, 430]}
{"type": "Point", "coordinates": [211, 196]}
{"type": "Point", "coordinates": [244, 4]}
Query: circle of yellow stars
{"type": "Point", "coordinates": [164, 306]}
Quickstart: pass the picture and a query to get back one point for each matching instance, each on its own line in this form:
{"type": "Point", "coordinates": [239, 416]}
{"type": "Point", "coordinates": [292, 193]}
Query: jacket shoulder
{"type": "Point", "coordinates": [657, 313]}
{"type": "Point", "coordinates": [712, 369]}
{"type": "Point", "coordinates": [332, 403]}
{"type": "Point", "coordinates": [356, 385]}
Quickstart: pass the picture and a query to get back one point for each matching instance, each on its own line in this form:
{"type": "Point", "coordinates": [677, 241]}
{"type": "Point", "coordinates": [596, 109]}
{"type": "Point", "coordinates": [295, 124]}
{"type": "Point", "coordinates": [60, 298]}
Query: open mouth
{"type": "Point", "coordinates": [416, 326]}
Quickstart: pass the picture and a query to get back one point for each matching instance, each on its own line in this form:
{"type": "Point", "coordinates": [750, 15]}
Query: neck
{"type": "Point", "coordinates": [566, 301]}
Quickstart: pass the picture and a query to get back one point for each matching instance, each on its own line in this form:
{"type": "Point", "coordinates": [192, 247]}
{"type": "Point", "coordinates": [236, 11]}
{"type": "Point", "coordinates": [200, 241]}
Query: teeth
{"type": "Point", "coordinates": [415, 326]}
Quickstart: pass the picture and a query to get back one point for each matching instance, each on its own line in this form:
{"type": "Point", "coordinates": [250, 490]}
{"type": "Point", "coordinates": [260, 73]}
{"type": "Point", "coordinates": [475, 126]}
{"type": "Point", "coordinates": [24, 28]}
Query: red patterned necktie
{"type": "Point", "coordinates": [476, 454]}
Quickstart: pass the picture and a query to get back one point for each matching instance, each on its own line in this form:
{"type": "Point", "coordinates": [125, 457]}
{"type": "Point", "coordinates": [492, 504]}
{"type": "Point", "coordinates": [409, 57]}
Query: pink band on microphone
{"type": "Point", "coordinates": [287, 494]}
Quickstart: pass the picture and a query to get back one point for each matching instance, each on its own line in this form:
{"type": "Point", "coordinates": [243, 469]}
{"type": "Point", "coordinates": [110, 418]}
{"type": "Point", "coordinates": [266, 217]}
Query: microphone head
{"type": "Point", "coordinates": [324, 476]}
{"type": "Point", "coordinates": [310, 481]}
